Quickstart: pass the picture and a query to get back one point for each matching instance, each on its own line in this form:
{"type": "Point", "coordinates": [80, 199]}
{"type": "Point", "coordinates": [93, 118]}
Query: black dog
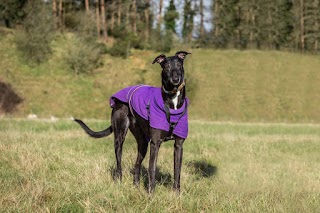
{"type": "Point", "coordinates": [173, 97]}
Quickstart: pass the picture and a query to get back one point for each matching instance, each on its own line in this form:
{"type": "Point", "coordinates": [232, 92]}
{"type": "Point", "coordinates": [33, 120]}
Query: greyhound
{"type": "Point", "coordinates": [153, 115]}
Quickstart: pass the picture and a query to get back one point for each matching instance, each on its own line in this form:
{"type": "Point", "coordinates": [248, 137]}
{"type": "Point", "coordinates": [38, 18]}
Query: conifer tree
{"type": "Point", "coordinates": [188, 15]}
{"type": "Point", "coordinates": [171, 17]}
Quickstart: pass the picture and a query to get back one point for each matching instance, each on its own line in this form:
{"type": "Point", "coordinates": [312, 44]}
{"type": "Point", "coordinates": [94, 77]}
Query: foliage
{"type": "Point", "coordinates": [83, 53]}
{"type": "Point", "coordinates": [83, 56]}
{"type": "Point", "coordinates": [86, 31]}
{"type": "Point", "coordinates": [120, 49]}
{"type": "Point", "coordinates": [275, 24]}
{"type": "Point", "coordinates": [34, 41]}
{"type": "Point", "coordinates": [12, 11]}
{"type": "Point", "coordinates": [72, 20]}
{"type": "Point", "coordinates": [125, 40]}
{"type": "Point", "coordinates": [225, 22]}
{"type": "Point", "coordinates": [188, 22]}
{"type": "Point", "coordinates": [82, 24]}
{"type": "Point", "coordinates": [171, 17]}
{"type": "Point", "coordinates": [265, 24]}
{"type": "Point", "coordinates": [162, 40]}
{"type": "Point", "coordinates": [245, 24]}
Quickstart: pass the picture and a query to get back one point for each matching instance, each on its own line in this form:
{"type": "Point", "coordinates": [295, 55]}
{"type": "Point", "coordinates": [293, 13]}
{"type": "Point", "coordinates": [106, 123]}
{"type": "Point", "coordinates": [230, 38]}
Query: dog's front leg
{"type": "Point", "coordinates": [154, 150]}
{"type": "Point", "coordinates": [178, 153]}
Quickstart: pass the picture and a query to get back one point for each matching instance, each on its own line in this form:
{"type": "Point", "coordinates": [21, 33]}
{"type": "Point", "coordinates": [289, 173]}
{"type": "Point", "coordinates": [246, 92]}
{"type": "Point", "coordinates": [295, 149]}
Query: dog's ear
{"type": "Point", "coordinates": [159, 59]}
{"type": "Point", "coordinates": [182, 54]}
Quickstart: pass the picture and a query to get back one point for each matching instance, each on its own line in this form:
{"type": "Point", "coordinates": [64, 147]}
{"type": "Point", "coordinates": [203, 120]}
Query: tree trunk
{"type": "Point", "coordinates": [54, 11]}
{"type": "Point", "coordinates": [113, 8]}
{"type": "Point", "coordinates": [119, 12]}
{"type": "Point", "coordinates": [201, 30]}
{"type": "Point", "coordinates": [103, 22]}
{"type": "Point", "coordinates": [147, 18]}
{"type": "Point", "coordinates": [60, 14]}
{"type": "Point", "coordinates": [134, 17]}
{"type": "Point", "coordinates": [316, 25]}
{"type": "Point", "coordinates": [87, 6]}
{"type": "Point", "coordinates": [253, 23]}
{"type": "Point", "coordinates": [238, 30]}
{"type": "Point", "coordinates": [302, 38]}
{"type": "Point", "coordinates": [191, 23]}
{"type": "Point", "coordinates": [269, 21]}
{"type": "Point", "coordinates": [127, 15]}
{"type": "Point", "coordinates": [160, 15]}
{"type": "Point", "coordinates": [216, 18]}
{"type": "Point", "coordinates": [98, 17]}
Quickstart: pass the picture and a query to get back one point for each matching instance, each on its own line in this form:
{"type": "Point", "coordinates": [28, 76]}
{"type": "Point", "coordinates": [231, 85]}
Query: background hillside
{"type": "Point", "coordinates": [222, 84]}
{"type": "Point", "coordinates": [251, 60]}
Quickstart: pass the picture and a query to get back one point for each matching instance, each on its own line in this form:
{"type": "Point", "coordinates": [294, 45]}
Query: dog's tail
{"type": "Point", "coordinates": [100, 134]}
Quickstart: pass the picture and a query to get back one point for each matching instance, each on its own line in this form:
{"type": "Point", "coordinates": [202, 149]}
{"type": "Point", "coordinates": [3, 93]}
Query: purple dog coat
{"type": "Point", "coordinates": [139, 96]}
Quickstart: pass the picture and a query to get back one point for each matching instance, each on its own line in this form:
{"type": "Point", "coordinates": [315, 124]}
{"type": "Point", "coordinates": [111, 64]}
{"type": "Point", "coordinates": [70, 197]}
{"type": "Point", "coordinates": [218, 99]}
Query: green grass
{"type": "Point", "coordinates": [227, 167]}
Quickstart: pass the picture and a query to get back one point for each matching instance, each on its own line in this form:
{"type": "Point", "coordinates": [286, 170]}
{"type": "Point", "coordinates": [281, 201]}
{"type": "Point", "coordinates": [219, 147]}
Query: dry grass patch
{"type": "Point", "coordinates": [227, 167]}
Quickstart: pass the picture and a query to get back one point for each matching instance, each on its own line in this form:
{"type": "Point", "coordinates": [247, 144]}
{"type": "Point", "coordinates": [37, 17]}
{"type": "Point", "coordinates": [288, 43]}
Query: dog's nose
{"type": "Point", "coordinates": [175, 80]}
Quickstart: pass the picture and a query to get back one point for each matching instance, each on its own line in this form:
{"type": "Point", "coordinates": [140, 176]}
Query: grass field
{"type": "Point", "coordinates": [227, 167]}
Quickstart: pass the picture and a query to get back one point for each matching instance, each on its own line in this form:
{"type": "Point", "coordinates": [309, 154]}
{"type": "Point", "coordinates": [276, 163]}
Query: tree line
{"type": "Point", "coordinates": [242, 24]}
{"type": "Point", "coordinates": [261, 24]}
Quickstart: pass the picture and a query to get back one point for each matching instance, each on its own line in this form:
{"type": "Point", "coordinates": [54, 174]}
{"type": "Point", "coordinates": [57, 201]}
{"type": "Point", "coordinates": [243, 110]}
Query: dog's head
{"type": "Point", "coordinates": [172, 70]}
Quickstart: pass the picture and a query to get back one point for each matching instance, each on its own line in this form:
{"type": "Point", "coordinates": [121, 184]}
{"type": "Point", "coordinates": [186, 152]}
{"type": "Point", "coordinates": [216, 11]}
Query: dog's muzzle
{"type": "Point", "coordinates": [175, 81]}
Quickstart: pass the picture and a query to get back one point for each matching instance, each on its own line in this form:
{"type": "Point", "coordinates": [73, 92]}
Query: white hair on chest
{"type": "Point", "coordinates": [175, 100]}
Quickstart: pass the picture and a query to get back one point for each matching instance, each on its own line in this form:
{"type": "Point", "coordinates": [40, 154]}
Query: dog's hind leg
{"type": "Point", "coordinates": [142, 148]}
{"type": "Point", "coordinates": [120, 125]}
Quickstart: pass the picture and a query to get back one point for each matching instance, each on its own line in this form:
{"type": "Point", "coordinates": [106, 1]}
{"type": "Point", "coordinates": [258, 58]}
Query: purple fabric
{"type": "Point", "coordinates": [140, 95]}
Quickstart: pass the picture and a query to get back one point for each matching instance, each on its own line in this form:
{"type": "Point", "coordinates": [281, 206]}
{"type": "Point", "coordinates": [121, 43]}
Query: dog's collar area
{"type": "Point", "coordinates": [175, 90]}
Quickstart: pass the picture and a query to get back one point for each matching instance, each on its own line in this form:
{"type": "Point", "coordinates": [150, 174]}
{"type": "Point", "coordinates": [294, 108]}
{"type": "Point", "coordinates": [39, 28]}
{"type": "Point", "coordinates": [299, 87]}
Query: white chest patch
{"type": "Point", "coordinates": [175, 100]}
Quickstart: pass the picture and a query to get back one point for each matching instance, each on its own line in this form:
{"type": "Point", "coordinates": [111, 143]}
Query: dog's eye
{"type": "Point", "coordinates": [166, 72]}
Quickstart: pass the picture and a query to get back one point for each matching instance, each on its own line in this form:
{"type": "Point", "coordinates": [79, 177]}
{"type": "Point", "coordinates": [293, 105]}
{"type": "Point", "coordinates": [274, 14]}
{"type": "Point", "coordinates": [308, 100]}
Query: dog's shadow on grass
{"type": "Point", "coordinates": [202, 168]}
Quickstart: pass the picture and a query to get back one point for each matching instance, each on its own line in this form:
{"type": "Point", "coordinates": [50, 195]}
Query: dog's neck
{"type": "Point", "coordinates": [174, 98]}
